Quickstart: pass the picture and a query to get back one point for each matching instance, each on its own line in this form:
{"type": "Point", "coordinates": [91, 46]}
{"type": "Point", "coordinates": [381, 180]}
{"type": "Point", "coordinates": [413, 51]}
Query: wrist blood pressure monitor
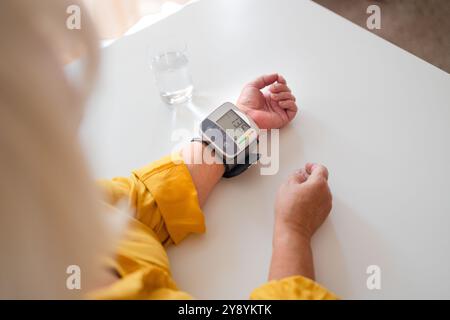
{"type": "Point", "coordinates": [233, 136]}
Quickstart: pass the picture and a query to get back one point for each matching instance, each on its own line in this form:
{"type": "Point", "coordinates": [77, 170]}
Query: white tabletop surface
{"type": "Point", "coordinates": [377, 116]}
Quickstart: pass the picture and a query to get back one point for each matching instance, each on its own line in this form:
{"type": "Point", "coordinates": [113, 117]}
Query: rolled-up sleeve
{"type": "Point", "coordinates": [163, 196]}
{"type": "Point", "coordinates": [292, 288]}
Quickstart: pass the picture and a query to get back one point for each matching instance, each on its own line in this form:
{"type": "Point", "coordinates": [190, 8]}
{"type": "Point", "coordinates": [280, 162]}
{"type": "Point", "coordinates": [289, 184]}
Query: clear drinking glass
{"type": "Point", "coordinates": [171, 71]}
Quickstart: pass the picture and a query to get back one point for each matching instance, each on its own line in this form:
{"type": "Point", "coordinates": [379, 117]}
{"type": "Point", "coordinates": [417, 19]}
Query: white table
{"type": "Point", "coordinates": [377, 116]}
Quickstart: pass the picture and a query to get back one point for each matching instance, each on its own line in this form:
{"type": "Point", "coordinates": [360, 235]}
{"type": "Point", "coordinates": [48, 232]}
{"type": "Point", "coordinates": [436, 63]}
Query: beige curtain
{"type": "Point", "coordinates": [114, 17]}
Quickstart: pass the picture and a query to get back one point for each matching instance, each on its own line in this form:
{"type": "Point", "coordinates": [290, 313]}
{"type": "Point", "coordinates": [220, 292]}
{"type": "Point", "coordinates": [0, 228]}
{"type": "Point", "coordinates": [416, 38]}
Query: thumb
{"type": "Point", "coordinates": [316, 171]}
{"type": "Point", "coordinates": [264, 81]}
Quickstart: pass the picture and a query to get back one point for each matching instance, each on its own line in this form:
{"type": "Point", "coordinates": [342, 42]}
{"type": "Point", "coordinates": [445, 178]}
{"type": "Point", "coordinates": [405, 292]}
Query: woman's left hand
{"type": "Point", "coordinates": [272, 109]}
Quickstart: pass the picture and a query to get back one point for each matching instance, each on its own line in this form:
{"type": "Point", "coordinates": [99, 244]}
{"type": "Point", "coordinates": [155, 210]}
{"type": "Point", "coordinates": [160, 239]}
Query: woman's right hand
{"type": "Point", "coordinates": [304, 201]}
{"type": "Point", "coordinates": [302, 205]}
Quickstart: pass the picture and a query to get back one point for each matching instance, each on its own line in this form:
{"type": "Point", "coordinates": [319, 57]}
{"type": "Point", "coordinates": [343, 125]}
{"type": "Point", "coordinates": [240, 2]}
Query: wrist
{"type": "Point", "coordinates": [292, 229]}
{"type": "Point", "coordinates": [244, 109]}
{"type": "Point", "coordinates": [291, 256]}
{"type": "Point", "coordinates": [287, 238]}
{"type": "Point", "coordinates": [240, 107]}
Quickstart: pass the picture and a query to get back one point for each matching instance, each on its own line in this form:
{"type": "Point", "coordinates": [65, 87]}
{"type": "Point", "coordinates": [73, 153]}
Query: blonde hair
{"type": "Point", "coordinates": [50, 217]}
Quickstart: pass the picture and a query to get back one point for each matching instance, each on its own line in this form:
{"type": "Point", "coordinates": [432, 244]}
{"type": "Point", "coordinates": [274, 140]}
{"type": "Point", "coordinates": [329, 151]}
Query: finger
{"type": "Point", "coordinates": [281, 79]}
{"type": "Point", "coordinates": [316, 171]}
{"type": "Point", "coordinates": [288, 105]}
{"type": "Point", "coordinates": [300, 176]}
{"type": "Point", "coordinates": [282, 96]}
{"type": "Point", "coordinates": [279, 87]}
{"type": "Point", "coordinates": [308, 167]}
{"type": "Point", "coordinates": [264, 81]}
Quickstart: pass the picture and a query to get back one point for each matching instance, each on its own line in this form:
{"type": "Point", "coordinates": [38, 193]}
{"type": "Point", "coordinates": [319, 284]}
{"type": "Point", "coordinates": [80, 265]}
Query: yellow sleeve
{"type": "Point", "coordinates": [163, 196]}
{"type": "Point", "coordinates": [292, 288]}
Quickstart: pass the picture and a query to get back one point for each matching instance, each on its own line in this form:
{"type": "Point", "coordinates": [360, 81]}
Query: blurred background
{"type": "Point", "coordinates": [421, 27]}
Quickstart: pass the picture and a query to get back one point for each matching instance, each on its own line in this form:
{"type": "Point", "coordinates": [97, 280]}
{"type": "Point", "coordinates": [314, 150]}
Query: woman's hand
{"type": "Point", "coordinates": [303, 203]}
{"type": "Point", "coordinates": [272, 109]}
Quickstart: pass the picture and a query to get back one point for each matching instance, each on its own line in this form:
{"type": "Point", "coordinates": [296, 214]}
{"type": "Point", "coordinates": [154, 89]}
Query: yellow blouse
{"type": "Point", "coordinates": [166, 211]}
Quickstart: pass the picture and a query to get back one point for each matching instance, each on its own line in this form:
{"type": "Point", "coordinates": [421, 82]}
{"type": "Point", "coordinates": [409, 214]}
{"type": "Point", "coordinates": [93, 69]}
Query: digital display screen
{"type": "Point", "coordinates": [231, 120]}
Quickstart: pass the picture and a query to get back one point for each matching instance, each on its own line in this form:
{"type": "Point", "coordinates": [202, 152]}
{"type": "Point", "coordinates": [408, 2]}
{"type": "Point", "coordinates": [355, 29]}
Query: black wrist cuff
{"type": "Point", "coordinates": [237, 166]}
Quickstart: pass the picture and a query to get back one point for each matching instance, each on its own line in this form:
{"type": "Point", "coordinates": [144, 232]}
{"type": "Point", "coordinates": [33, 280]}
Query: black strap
{"type": "Point", "coordinates": [235, 169]}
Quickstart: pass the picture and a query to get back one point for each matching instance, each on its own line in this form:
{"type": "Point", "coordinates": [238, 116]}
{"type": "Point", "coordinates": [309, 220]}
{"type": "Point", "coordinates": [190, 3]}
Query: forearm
{"type": "Point", "coordinates": [206, 172]}
{"type": "Point", "coordinates": [291, 255]}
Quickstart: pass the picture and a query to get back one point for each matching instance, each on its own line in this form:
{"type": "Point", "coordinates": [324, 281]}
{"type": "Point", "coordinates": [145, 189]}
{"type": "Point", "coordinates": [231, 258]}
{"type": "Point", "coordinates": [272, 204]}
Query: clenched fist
{"type": "Point", "coordinates": [302, 205]}
{"type": "Point", "coordinates": [304, 201]}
